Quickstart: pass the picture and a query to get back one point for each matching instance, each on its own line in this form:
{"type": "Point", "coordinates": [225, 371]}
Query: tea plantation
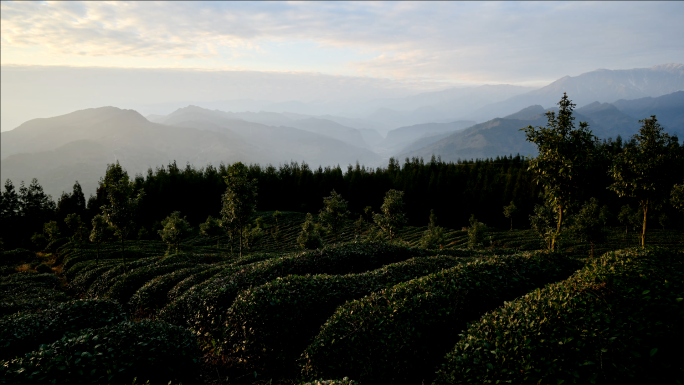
{"type": "Point", "coordinates": [356, 311]}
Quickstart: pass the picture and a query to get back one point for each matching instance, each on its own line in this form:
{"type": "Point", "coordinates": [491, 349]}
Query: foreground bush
{"type": "Point", "coordinates": [22, 333]}
{"type": "Point", "coordinates": [397, 335]}
{"type": "Point", "coordinates": [271, 324]}
{"type": "Point", "coordinates": [619, 320]}
{"type": "Point", "coordinates": [207, 308]}
{"type": "Point", "coordinates": [149, 350]}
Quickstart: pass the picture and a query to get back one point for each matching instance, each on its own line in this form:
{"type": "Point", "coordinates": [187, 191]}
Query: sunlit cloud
{"type": "Point", "coordinates": [474, 42]}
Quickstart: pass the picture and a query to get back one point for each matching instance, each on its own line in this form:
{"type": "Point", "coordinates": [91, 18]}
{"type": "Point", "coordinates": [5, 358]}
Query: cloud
{"type": "Point", "coordinates": [439, 41]}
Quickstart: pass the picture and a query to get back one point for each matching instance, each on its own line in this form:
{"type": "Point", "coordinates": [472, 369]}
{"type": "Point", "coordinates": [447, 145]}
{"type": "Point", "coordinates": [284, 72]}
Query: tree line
{"type": "Point", "coordinates": [573, 169]}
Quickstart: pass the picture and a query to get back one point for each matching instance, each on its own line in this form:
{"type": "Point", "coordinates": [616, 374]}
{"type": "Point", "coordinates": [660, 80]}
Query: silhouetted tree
{"type": "Point", "coordinates": [310, 237]}
{"type": "Point", "coordinates": [434, 235]}
{"type": "Point", "coordinates": [509, 211]}
{"type": "Point", "coordinates": [392, 217]}
{"type": "Point", "coordinates": [211, 228]}
{"type": "Point", "coordinates": [642, 169]}
{"type": "Point", "coordinates": [333, 214]}
{"type": "Point", "coordinates": [98, 234]}
{"type": "Point", "coordinates": [122, 203]}
{"type": "Point", "coordinates": [174, 229]}
{"type": "Point", "coordinates": [239, 200]}
{"type": "Point", "coordinates": [475, 232]}
{"type": "Point", "coordinates": [76, 226]}
{"type": "Point", "coordinates": [566, 157]}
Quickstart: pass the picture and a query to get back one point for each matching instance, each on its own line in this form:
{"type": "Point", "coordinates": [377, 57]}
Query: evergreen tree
{"type": "Point", "coordinates": [509, 211]}
{"type": "Point", "coordinates": [36, 206]}
{"type": "Point", "coordinates": [434, 235]}
{"type": "Point", "coordinates": [174, 230]}
{"type": "Point", "coordinates": [211, 228]}
{"type": "Point", "coordinates": [565, 160]}
{"type": "Point", "coordinates": [333, 214]}
{"type": "Point", "coordinates": [10, 205]}
{"type": "Point", "coordinates": [71, 203]}
{"type": "Point", "coordinates": [642, 169]}
{"type": "Point", "coordinates": [98, 234]}
{"type": "Point", "coordinates": [239, 200]}
{"type": "Point", "coordinates": [310, 237]}
{"type": "Point", "coordinates": [392, 217]}
{"type": "Point", "coordinates": [122, 203]}
{"type": "Point", "coordinates": [589, 224]}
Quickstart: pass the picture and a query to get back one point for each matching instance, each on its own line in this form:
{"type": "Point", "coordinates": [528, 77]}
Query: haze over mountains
{"type": "Point", "coordinates": [463, 123]}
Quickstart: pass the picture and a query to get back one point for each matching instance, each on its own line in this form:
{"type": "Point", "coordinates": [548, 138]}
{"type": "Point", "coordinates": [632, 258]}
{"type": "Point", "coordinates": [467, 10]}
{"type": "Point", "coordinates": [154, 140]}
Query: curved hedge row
{"type": "Point", "coordinates": [149, 350]}
{"type": "Point", "coordinates": [209, 305]}
{"type": "Point", "coordinates": [344, 381]}
{"type": "Point", "coordinates": [12, 257]}
{"type": "Point", "coordinates": [85, 267]}
{"type": "Point", "coordinates": [22, 333]}
{"type": "Point", "coordinates": [104, 282]}
{"type": "Point", "coordinates": [397, 335]}
{"type": "Point", "coordinates": [26, 279]}
{"type": "Point", "coordinates": [618, 320]}
{"type": "Point", "coordinates": [270, 325]}
{"type": "Point", "coordinates": [82, 281]}
{"type": "Point", "coordinates": [123, 288]}
{"type": "Point", "coordinates": [154, 293]}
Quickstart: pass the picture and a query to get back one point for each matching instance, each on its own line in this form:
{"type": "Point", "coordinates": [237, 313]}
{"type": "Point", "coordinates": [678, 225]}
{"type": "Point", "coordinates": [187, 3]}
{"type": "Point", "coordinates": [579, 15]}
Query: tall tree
{"type": "Point", "coordinates": [643, 169]}
{"type": "Point", "coordinates": [509, 211]}
{"type": "Point", "coordinates": [392, 217]}
{"type": "Point", "coordinates": [434, 235]}
{"type": "Point", "coordinates": [239, 200]}
{"type": "Point", "coordinates": [677, 197]}
{"type": "Point", "coordinates": [122, 203]}
{"type": "Point", "coordinates": [76, 226]}
{"type": "Point", "coordinates": [565, 161]}
{"type": "Point", "coordinates": [174, 229]}
{"type": "Point", "coordinates": [35, 204]}
{"type": "Point", "coordinates": [333, 214]}
{"type": "Point", "coordinates": [73, 203]}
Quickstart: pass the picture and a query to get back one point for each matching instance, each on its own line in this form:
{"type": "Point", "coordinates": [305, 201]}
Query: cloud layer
{"type": "Point", "coordinates": [452, 42]}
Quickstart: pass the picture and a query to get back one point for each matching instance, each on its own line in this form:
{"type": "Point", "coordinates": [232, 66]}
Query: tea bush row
{"type": "Point", "coordinates": [123, 288]}
{"type": "Point", "coordinates": [618, 320]}
{"type": "Point", "coordinates": [153, 294]}
{"type": "Point", "coordinates": [149, 350]}
{"type": "Point", "coordinates": [399, 334]}
{"type": "Point", "coordinates": [270, 325]}
{"type": "Point", "coordinates": [210, 304]}
{"type": "Point", "coordinates": [22, 333]}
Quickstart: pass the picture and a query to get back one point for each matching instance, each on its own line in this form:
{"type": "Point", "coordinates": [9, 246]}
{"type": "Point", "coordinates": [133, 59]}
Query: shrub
{"type": "Point", "coordinates": [618, 320]}
{"type": "Point", "coordinates": [270, 325]}
{"type": "Point", "coordinates": [30, 299]}
{"type": "Point", "coordinates": [26, 279]}
{"type": "Point", "coordinates": [149, 350]}
{"type": "Point", "coordinates": [13, 257]}
{"type": "Point", "coordinates": [22, 333]}
{"type": "Point", "coordinates": [81, 282]}
{"type": "Point", "coordinates": [209, 305]}
{"type": "Point", "coordinates": [396, 335]}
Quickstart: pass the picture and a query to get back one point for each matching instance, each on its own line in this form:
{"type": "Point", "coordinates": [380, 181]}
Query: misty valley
{"type": "Point", "coordinates": [474, 235]}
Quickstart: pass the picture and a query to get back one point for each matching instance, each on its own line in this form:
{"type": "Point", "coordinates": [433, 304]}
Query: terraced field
{"type": "Point", "coordinates": [370, 311]}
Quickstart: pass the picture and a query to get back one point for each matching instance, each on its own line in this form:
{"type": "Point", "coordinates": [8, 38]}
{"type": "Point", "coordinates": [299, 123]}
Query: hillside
{"type": "Point", "coordinates": [78, 146]}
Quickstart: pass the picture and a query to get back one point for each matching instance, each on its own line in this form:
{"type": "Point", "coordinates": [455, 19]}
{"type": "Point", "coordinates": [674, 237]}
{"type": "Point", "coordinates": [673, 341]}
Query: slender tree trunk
{"type": "Point", "coordinates": [97, 254]}
{"type": "Point", "coordinates": [558, 227]}
{"type": "Point", "coordinates": [644, 205]}
{"type": "Point", "coordinates": [240, 241]}
{"type": "Point", "coordinates": [511, 223]}
{"type": "Point", "coordinates": [592, 249]}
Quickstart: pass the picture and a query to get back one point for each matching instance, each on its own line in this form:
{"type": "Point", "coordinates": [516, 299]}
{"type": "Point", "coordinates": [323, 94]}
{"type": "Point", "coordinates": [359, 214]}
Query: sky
{"type": "Point", "coordinates": [60, 56]}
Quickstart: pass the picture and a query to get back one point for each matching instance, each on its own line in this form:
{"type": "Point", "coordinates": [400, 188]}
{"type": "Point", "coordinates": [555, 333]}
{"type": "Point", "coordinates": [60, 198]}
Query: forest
{"type": "Point", "coordinates": [567, 267]}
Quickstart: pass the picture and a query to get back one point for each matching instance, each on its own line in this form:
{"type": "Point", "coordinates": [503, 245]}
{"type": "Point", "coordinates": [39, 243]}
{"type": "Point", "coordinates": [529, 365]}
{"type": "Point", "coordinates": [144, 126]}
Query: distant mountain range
{"type": "Point", "coordinates": [502, 136]}
{"type": "Point", "coordinates": [79, 145]}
